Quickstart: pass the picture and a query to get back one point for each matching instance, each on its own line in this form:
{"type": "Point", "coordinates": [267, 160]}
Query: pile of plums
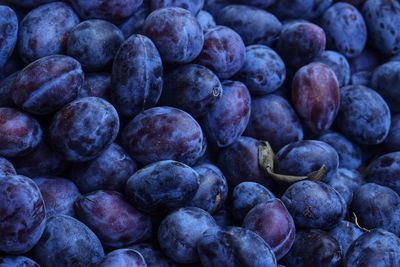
{"type": "Point", "coordinates": [214, 133]}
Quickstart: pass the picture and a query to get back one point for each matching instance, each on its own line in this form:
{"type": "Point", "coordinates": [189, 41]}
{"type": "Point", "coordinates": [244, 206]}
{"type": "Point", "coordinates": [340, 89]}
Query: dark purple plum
{"type": "Point", "coordinates": [346, 233]}
{"type": "Point", "coordinates": [350, 155]}
{"type": "Point", "coordinates": [42, 161]}
{"type": "Point", "coordinates": [192, 88]}
{"type": "Point", "coordinates": [385, 80]}
{"type": "Point", "coordinates": [206, 20]}
{"type": "Point", "coordinates": [375, 248]}
{"type": "Point", "coordinates": [180, 231]}
{"type": "Point", "coordinates": [176, 33]}
{"type": "Point", "coordinates": [228, 119]}
{"type": "Point", "coordinates": [113, 219]}
{"type": "Point", "coordinates": [300, 9]}
{"type": "Point", "coordinates": [254, 25]}
{"type": "Point", "coordinates": [377, 206]}
{"type": "Point", "coordinates": [84, 128]}
{"type": "Point", "coordinates": [213, 188]}
{"type": "Point", "coordinates": [263, 71]}
{"type": "Point", "coordinates": [194, 6]}
{"type": "Point", "coordinates": [316, 96]}
{"type": "Point", "coordinates": [8, 33]}
{"type": "Point", "coordinates": [47, 84]}
{"type": "Point", "coordinates": [109, 171]}
{"type": "Point", "coordinates": [345, 29]}
{"type": "Point", "coordinates": [6, 167]}
{"type": "Point", "coordinates": [272, 221]}
{"type": "Point", "coordinates": [257, 3]}
{"type": "Point", "coordinates": [303, 157]}
{"type": "Point", "coordinates": [19, 133]}
{"type": "Point", "coordinates": [300, 42]}
{"type": "Point", "coordinates": [392, 141]}
{"type": "Point", "coordinates": [338, 64]}
{"type": "Point", "coordinates": [239, 163]}
{"type": "Point", "coordinates": [5, 90]}
{"type": "Point", "coordinates": [22, 214]}
{"type": "Point", "coordinates": [108, 10]}
{"type": "Point", "coordinates": [234, 246]}
{"type": "Point", "coordinates": [153, 256]}
{"type": "Point", "coordinates": [67, 242]}
{"type": "Point", "coordinates": [382, 18]}
{"type": "Point", "coordinates": [58, 194]}
{"type": "Point", "coordinates": [345, 183]}
{"type": "Point", "coordinates": [223, 217]}
{"type": "Point", "coordinates": [246, 196]}
{"type": "Point", "coordinates": [223, 52]}
{"type": "Point", "coordinates": [134, 23]}
{"type": "Point", "coordinates": [137, 76]}
{"type": "Point", "coordinates": [123, 258]}
{"type": "Point", "coordinates": [17, 261]}
{"type": "Point", "coordinates": [363, 115]}
{"type": "Point", "coordinates": [273, 119]}
{"type": "Point", "coordinates": [314, 248]}
{"type": "Point", "coordinates": [163, 133]}
{"type": "Point", "coordinates": [44, 31]}
{"type": "Point", "coordinates": [96, 84]}
{"type": "Point", "coordinates": [13, 64]}
{"type": "Point", "coordinates": [314, 204]}
{"type": "Point", "coordinates": [162, 186]}
{"type": "Point", "coordinates": [94, 43]}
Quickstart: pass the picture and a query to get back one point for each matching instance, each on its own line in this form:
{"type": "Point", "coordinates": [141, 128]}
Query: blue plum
{"type": "Point", "coordinates": [223, 52]}
{"type": "Point", "coordinates": [350, 155]}
{"type": "Point", "coordinates": [8, 33]}
{"type": "Point", "coordinates": [213, 188]}
{"type": "Point", "coordinates": [47, 84]}
{"type": "Point", "coordinates": [194, 6]}
{"type": "Point", "coordinates": [134, 23]}
{"type": "Point", "coordinates": [263, 71]}
{"type": "Point", "coordinates": [345, 233]}
{"type": "Point", "coordinates": [377, 206]}
{"type": "Point", "coordinates": [314, 248]}
{"type": "Point", "coordinates": [162, 186]}
{"type": "Point", "coordinates": [246, 196]}
{"type": "Point", "coordinates": [84, 128]}
{"type": "Point", "coordinates": [176, 33]}
{"type": "Point", "coordinates": [22, 214]}
{"type": "Point", "coordinates": [384, 170]}
{"type": "Point", "coordinates": [272, 221]}
{"type": "Point", "coordinates": [192, 88]}
{"type": "Point", "coordinates": [345, 29]}
{"type": "Point", "coordinates": [44, 31]}
{"type": "Point", "coordinates": [180, 232]}
{"type": "Point", "coordinates": [29, 3]}
{"type": "Point", "coordinates": [363, 115]}
{"type": "Point", "coordinates": [361, 78]}
{"type": "Point", "coordinates": [234, 246]}
{"type": "Point", "coordinates": [96, 84]}
{"type": "Point", "coordinates": [255, 25]}
{"type": "Point", "coordinates": [206, 20]}
{"type": "Point", "coordinates": [17, 261]}
{"type": "Point", "coordinates": [108, 10]}
{"type": "Point", "coordinates": [316, 96]}
{"type": "Point", "coordinates": [300, 9]}
{"type": "Point", "coordinates": [58, 194]}
{"type": "Point", "coordinates": [382, 18]}
{"type": "Point", "coordinates": [123, 258]}
{"type": "Point", "coordinates": [6, 167]}
{"type": "Point", "coordinates": [67, 242]}
{"type": "Point", "coordinates": [314, 204]}
{"type": "Point", "coordinates": [5, 90]}
{"type": "Point", "coordinates": [385, 80]}
{"type": "Point", "coordinates": [300, 42]}
{"type": "Point", "coordinates": [213, 6]}
{"type": "Point", "coordinates": [303, 157]}
{"type": "Point", "coordinates": [223, 217]}
{"type": "Point", "coordinates": [273, 119]}
{"type": "Point", "coordinates": [153, 256]}
{"type": "Point", "coordinates": [137, 76]}
{"type": "Point", "coordinates": [375, 248]}
{"type": "Point", "coordinates": [163, 133]}
{"type": "Point", "coordinates": [368, 60]}
{"type": "Point", "coordinates": [113, 219]}
{"type": "Point", "coordinates": [228, 119]}
{"type": "Point", "coordinates": [392, 141]}
{"type": "Point", "coordinates": [19, 132]}
{"type": "Point", "coordinates": [338, 64]}
{"type": "Point", "coordinates": [94, 43]}
{"type": "Point", "coordinates": [257, 3]}
{"type": "Point", "coordinates": [109, 171]}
